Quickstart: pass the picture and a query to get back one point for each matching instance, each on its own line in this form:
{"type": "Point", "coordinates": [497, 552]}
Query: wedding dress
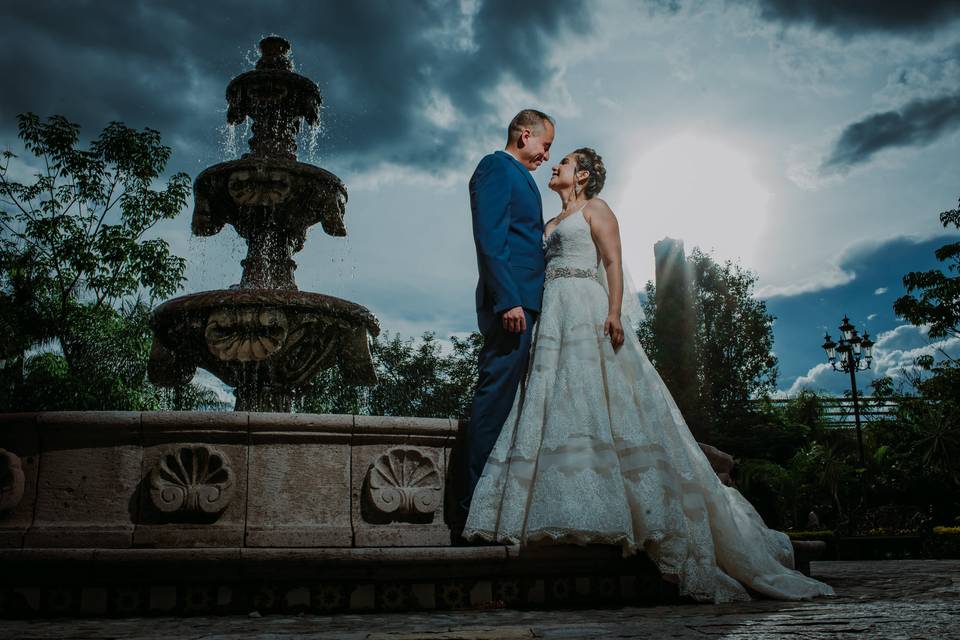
{"type": "Point", "coordinates": [595, 451]}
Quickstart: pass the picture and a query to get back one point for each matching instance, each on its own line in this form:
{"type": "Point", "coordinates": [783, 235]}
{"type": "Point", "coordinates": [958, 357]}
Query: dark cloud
{"type": "Point", "coordinates": [166, 65]}
{"type": "Point", "coordinates": [850, 17]}
{"type": "Point", "coordinates": [917, 123]}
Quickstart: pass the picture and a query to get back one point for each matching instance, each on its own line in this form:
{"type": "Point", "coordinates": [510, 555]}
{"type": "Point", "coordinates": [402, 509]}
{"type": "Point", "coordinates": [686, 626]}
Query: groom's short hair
{"type": "Point", "coordinates": [527, 119]}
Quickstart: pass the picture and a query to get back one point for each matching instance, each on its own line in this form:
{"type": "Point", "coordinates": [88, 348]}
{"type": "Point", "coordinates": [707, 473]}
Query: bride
{"type": "Point", "coordinates": [595, 450]}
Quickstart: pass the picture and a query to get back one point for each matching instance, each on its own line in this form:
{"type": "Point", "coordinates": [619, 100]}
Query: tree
{"type": "Point", "coordinates": [414, 379]}
{"type": "Point", "coordinates": [75, 262]}
{"type": "Point", "coordinates": [112, 349]}
{"type": "Point", "coordinates": [733, 341]}
{"type": "Point", "coordinates": [933, 299]}
{"type": "Point", "coordinates": [938, 299]}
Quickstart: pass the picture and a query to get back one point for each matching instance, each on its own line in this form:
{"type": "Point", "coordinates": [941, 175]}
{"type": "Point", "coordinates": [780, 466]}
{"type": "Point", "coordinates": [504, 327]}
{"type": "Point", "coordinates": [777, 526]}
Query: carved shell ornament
{"type": "Point", "coordinates": [193, 479]}
{"type": "Point", "coordinates": [263, 188]}
{"type": "Point", "coordinates": [245, 334]}
{"type": "Point", "coordinates": [12, 480]}
{"type": "Point", "coordinates": [405, 482]}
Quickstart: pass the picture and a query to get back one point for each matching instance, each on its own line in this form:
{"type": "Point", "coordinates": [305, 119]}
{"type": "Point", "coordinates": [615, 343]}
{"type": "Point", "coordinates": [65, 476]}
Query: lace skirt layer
{"type": "Point", "coordinates": [596, 451]}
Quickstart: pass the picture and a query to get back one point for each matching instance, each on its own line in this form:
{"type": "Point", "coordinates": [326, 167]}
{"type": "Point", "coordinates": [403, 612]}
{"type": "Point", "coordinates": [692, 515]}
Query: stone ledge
{"type": "Point", "coordinates": [18, 419]}
{"type": "Point", "coordinates": [236, 422]}
{"type": "Point", "coordinates": [389, 425]}
{"type": "Point", "coordinates": [299, 427]}
{"type": "Point", "coordinates": [22, 565]}
{"type": "Point", "coordinates": [173, 424]}
{"type": "Point", "coordinates": [87, 422]}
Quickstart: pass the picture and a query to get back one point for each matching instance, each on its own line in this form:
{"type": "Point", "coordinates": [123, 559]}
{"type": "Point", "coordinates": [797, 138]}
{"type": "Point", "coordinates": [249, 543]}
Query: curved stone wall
{"type": "Point", "coordinates": [198, 479]}
{"type": "Point", "coordinates": [113, 513]}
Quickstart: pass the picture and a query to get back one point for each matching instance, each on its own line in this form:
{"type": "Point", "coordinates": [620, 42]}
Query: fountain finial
{"type": "Point", "coordinates": [274, 54]}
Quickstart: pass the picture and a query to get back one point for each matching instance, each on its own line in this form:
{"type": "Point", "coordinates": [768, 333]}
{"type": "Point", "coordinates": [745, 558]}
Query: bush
{"type": "Point", "coordinates": [945, 542]}
{"type": "Point", "coordinates": [769, 488]}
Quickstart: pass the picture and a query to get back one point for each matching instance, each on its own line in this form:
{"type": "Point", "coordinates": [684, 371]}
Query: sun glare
{"type": "Point", "coordinates": [696, 188]}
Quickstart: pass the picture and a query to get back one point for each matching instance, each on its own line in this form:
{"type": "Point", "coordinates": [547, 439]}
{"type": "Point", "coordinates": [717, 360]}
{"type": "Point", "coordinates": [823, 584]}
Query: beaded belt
{"type": "Point", "coordinates": [568, 272]}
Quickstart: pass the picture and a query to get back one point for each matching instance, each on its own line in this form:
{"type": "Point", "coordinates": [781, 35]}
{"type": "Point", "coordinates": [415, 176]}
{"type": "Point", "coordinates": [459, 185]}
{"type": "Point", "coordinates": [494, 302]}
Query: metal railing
{"type": "Point", "coordinates": [838, 412]}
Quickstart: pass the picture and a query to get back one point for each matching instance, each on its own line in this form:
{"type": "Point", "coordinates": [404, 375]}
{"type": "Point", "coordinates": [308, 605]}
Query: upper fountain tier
{"type": "Point", "coordinates": [276, 99]}
{"type": "Point", "coordinates": [267, 196]}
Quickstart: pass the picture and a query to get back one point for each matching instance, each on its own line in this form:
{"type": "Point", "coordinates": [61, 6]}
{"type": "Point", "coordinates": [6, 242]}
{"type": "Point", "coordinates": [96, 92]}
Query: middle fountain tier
{"type": "Point", "coordinates": [264, 337]}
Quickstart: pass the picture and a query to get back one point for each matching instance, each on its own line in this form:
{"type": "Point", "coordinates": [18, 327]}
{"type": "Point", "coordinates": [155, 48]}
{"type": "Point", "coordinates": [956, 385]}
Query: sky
{"type": "Point", "coordinates": [812, 142]}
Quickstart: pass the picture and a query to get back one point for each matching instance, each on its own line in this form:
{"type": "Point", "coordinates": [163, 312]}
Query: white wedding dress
{"type": "Point", "coordinates": [595, 451]}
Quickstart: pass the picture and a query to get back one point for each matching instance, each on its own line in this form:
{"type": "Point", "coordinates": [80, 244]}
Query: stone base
{"type": "Point", "coordinates": [138, 582]}
{"type": "Point", "coordinates": [115, 513]}
{"type": "Point", "coordinates": [191, 479]}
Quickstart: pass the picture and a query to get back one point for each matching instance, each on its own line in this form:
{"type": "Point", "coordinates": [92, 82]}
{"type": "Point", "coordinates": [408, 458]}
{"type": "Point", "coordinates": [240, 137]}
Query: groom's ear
{"type": "Point", "coordinates": [523, 137]}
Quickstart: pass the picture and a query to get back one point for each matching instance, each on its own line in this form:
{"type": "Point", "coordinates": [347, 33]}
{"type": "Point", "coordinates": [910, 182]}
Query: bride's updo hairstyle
{"type": "Point", "coordinates": [590, 160]}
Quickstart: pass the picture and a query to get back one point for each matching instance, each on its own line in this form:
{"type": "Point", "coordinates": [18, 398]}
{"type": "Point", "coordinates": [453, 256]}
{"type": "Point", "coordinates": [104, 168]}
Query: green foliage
{"type": "Point", "coordinates": [111, 349]}
{"type": "Point", "coordinates": [935, 431]}
{"type": "Point", "coordinates": [825, 477]}
{"type": "Point", "coordinates": [733, 341]}
{"type": "Point", "coordinates": [76, 233]}
{"type": "Point", "coordinates": [734, 335]}
{"type": "Point", "coordinates": [768, 486]}
{"type": "Point", "coordinates": [76, 262]}
{"type": "Point", "coordinates": [414, 379]}
{"type": "Point", "coordinates": [933, 297]}
{"type": "Point", "coordinates": [804, 409]}
{"type": "Point", "coordinates": [944, 542]}
{"type": "Point", "coordinates": [911, 473]}
{"type": "Point", "coordinates": [758, 435]}
{"type": "Point", "coordinates": [932, 413]}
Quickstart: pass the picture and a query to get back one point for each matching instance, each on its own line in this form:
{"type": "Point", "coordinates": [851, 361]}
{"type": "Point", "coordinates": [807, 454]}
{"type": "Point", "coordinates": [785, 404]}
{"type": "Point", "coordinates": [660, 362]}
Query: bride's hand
{"type": "Point", "coordinates": [613, 328]}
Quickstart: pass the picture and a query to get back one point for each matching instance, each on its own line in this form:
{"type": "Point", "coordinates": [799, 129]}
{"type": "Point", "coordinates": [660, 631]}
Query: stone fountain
{"type": "Point", "coordinates": [265, 338]}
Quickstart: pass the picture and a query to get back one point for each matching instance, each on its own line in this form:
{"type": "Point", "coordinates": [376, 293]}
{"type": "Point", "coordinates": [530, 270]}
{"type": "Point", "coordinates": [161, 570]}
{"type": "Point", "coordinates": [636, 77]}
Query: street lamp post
{"type": "Point", "coordinates": [850, 355]}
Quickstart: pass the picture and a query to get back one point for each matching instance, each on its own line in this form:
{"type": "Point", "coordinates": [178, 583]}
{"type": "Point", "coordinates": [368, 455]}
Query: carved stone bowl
{"type": "Point", "coordinates": [261, 339]}
{"type": "Point", "coordinates": [263, 91]}
{"type": "Point", "coordinates": [256, 195]}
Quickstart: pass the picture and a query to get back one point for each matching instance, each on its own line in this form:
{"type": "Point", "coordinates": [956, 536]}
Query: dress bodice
{"type": "Point", "coordinates": [570, 245]}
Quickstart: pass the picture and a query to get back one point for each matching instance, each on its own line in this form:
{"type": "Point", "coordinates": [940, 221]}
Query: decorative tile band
{"type": "Point", "coordinates": [214, 598]}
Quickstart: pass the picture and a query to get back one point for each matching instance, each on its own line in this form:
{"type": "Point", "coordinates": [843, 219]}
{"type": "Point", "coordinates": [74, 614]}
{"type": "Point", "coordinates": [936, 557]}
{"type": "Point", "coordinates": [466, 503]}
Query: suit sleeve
{"type": "Point", "coordinates": [490, 205]}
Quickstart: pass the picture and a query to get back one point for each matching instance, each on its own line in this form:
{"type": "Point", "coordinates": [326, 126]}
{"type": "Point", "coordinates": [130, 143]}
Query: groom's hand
{"type": "Point", "coordinates": [514, 320]}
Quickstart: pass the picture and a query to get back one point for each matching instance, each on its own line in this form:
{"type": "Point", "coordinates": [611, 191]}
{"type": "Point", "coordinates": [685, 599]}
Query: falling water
{"type": "Point", "coordinates": [228, 141]}
{"type": "Point", "coordinates": [310, 141]}
{"type": "Point", "coordinates": [252, 55]}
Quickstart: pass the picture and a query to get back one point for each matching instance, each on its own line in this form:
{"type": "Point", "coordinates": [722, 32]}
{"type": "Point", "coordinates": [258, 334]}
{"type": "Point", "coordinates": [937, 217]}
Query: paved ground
{"type": "Point", "coordinates": [884, 599]}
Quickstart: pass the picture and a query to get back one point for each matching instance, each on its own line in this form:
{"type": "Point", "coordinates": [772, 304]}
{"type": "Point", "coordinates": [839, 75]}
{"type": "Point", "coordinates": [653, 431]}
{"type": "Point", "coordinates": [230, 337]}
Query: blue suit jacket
{"type": "Point", "coordinates": [508, 232]}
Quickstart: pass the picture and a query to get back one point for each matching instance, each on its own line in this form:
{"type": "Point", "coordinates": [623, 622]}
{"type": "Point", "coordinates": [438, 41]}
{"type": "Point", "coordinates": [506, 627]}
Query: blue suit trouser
{"type": "Point", "coordinates": [502, 366]}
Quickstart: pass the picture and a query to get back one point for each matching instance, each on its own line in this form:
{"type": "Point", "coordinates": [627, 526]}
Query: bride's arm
{"type": "Point", "coordinates": [606, 234]}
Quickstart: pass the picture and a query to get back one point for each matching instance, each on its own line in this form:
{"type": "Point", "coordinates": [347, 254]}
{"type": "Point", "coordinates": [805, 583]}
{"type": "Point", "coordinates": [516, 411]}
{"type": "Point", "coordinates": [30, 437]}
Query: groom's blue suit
{"type": "Point", "coordinates": [508, 232]}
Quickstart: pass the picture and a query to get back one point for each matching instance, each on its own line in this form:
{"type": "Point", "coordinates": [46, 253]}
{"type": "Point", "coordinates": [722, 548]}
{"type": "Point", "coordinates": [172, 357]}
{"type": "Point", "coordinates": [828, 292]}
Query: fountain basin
{"type": "Point", "coordinates": [256, 193]}
{"type": "Point", "coordinates": [270, 343]}
{"type": "Point", "coordinates": [273, 90]}
{"type": "Point", "coordinates": [113, 479]}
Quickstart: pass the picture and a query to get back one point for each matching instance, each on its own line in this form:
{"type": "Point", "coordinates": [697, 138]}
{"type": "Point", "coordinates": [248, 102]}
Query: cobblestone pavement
{"type": "Point", "coordinates": [884, 599]}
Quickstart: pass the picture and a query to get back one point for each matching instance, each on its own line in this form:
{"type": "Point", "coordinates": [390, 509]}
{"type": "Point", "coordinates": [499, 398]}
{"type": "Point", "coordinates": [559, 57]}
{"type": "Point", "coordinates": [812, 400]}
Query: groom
{"type": "Point", "coordinates": [508, 233]}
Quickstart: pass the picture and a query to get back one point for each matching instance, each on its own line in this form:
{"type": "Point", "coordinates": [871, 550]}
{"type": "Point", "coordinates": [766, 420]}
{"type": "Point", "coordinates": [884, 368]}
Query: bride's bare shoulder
{"type": "Point", "coordinates": [598, 207]}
